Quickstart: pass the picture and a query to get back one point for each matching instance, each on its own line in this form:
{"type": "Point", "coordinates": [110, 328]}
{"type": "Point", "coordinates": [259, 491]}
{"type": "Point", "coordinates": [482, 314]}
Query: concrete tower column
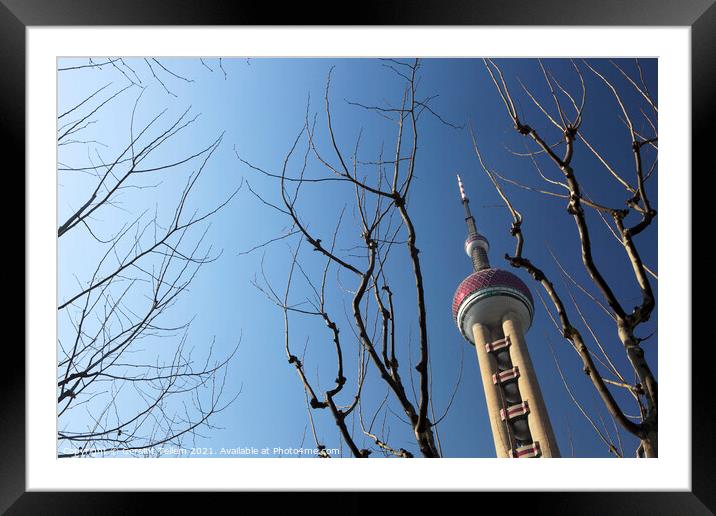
{"type": "Point", "coordinates": [482, 336]}
{"type": "Point", "coordinates": [540, 426]}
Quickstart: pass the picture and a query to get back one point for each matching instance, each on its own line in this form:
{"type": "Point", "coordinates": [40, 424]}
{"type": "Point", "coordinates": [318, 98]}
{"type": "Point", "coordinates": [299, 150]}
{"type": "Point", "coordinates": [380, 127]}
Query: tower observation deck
{"type": "Point", "coordinates": [493, 309]}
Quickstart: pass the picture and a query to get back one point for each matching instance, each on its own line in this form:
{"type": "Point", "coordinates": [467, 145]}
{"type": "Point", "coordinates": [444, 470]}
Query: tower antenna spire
{"type": "Point", "coordinates": [476, 245]}
{"type": "Point", "coordinates": [462, 189]}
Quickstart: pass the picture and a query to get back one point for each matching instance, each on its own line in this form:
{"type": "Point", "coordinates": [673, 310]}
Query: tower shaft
{"type": "Point", "coordinates": [505, 394]}
{"type": "Point", "coordinates": [488, 368]}
{"type": "Point", "coordinates": [539, 424]}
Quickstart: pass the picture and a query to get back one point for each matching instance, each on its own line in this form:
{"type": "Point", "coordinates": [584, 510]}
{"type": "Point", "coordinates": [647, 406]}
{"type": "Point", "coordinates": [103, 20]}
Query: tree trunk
{"type": "Point", "coordinates": [650, 444]}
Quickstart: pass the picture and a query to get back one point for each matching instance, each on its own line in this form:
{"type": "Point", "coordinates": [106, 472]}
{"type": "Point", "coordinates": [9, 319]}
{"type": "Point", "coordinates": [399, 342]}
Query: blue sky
{"type": "Point", "coordinates": [259, 106]}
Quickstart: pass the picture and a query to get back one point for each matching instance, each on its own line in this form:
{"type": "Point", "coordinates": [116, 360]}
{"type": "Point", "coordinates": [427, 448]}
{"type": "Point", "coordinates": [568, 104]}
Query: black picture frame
{"type": "Point", "coordinates": [17, 15]}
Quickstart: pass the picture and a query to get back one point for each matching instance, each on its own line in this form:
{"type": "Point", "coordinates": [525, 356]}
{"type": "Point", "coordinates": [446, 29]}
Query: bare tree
{"type": "Point", "coordinates": [564, 111]}
{"type": "Point", "coordinates": [129, 380]}
{"type": "Point", "coordinates": [380, 191]}
{"type": "Point", "coordinates": [142, 71]}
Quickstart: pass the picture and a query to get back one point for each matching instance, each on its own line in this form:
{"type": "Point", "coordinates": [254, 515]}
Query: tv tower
{"type": "Point", "coordinates": [493, 309]}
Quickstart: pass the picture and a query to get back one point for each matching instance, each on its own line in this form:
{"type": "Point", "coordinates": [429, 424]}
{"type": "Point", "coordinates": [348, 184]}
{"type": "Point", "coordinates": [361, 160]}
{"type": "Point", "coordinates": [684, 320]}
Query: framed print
{"type": "Point", "coordinates": [274, 244]}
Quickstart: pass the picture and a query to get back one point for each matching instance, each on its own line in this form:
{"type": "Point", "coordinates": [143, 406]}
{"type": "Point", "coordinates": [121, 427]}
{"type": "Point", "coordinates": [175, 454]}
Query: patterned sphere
{"type": "Point", "coordinates": [484, 296]}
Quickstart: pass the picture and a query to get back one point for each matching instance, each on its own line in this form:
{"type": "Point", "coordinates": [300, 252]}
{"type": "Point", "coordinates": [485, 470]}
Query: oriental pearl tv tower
{"type": "Point", "coordinates": [493, 309]}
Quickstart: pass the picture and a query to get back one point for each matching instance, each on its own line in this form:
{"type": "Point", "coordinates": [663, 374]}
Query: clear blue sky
{"type": "Point", "coordinates": [260, 105]}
